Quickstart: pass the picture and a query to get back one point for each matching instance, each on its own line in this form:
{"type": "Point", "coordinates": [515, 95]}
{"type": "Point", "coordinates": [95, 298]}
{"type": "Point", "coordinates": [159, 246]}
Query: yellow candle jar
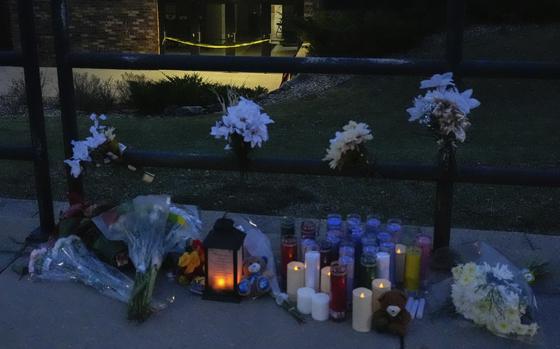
{"type": "Point", "coordinates": [412, 269]}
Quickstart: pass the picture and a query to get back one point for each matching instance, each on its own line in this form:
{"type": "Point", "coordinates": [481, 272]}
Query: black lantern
{"type": "Point", "coordinates": [224, 261]}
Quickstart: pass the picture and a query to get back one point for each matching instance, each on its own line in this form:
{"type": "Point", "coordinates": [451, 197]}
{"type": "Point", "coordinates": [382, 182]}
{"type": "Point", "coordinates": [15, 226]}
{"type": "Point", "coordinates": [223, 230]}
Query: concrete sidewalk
{"type": "Point", "coordinates": [68, 315]}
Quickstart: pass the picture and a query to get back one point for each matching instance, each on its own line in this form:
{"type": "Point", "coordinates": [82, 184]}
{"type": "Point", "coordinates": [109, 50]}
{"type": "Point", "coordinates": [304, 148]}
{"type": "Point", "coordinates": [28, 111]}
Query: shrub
{"type": "Point", "coordinates": [94, 94]}
{"type": "Point", "coordinates": [15, 100]}
{"type": "Point", "coordinates": [154, 96]}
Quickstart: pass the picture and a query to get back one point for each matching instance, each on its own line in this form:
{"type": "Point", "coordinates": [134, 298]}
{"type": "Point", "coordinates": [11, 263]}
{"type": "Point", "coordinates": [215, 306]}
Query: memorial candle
{"type": "Point", "coordinates": [312, 269]}
{"type": "Point", "coordinates": [320, 306]}
{"type": "Point", "coordinates": [383, 237]}
{"type": "Point", "coordinates": [412, 269]}
{"type": "Point", "coordinates": [379, 287]}
{"type": "Point", "coordinates": [334, 222]}
{"type": "Point", "coordinates": [288, 252]}
{"type": "Point", "coordinates": [424, 242]}
{"type": "Point", "coordinates": [373, 224]}
{"type": "Point", "coordinates": [368, 269]}
{"type": "Point", "coordinates": [383, 265]}
{"type": "Point", "coordinates": [325, 249]}
{"type": "Point", "coordinates": [304, 300]}
{"type": "Point", "coordinates": [394, 227]}
{"type": "Point", "coordinates": [362, 309]}
{"type": "Point", "coordinates": [389, 247]}
{"type": "Point", "coordinates": [326, 280]}
{"type": "Point", "coordinates": [295, 279]}
{"type": "Point", "coordinates": [348, 263]}
{"type": "Point", "coordinates": [338, 292]}
{"type": "Point", "coordinates": [400, 256]}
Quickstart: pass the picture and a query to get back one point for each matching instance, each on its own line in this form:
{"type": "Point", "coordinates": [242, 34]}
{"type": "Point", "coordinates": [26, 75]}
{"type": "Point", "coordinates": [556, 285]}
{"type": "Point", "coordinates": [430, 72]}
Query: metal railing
{"type": "Point", "coordinates": [66, 60]}
{"type": "Point", "coordinates": [37, 152]}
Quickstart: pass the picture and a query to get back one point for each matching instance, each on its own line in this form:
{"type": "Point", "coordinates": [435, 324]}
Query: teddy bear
{"type": "Point", "coordinates": [254, 284]}
{"type": "Point", "coordinates": [392, 317]}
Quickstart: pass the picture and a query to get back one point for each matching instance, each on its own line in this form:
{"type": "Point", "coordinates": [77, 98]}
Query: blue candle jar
{"type": "Point", "coordinates": [373, 224]}
{"type": "Point", "coordinates": [352, 220]}
{"type": "Point", "coordinates": [383, 237]}
{"type": "Point", "coordinates": [394, 227]}
{"type": "Point", "coordinates": [334, 222]}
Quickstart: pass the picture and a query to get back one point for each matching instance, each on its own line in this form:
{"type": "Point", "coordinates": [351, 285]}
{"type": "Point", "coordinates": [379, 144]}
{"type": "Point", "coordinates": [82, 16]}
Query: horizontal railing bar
{"type": "Point", "coordinates": [465, 174]}
{"type": "Point", "coordinates": [16, 153]}
{"type": "Point", "coordinates": [322, 65]}
{"type": "Point", "coordinates": [10, 59]}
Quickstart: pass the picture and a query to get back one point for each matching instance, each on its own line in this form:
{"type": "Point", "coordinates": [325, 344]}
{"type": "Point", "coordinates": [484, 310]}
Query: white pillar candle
{"type": "Point", "coordinates": [362, 309]}
{"type": "Point", "coordinates": [320, 306]}
{"type": "Point", "coordinates": [295, 279]}
{"type": "Point", "coordinates": [400, 258]}
{"type": "Point", "coordinates": [379, 287]}
{"type": "Point", "coordinates": [383, 265]}
{"type": "Point", "coordinates": [312, 269]}
{"type": "Point", "coordinates": [326, 280]}
{"type": "Point", "coordinates": [304, 299]}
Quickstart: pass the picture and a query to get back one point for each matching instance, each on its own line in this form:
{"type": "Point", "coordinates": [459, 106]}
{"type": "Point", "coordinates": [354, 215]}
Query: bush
{"type": "Point", "coordinates": [93, 94]}
{"type": "Point", "coordinates": [153, 97]}
{"type": "Point", "coordinates": [15, 100]}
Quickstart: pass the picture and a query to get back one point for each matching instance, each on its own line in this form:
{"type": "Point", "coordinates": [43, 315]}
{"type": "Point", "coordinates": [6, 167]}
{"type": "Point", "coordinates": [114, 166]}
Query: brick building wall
{"type": "Point", "coordinates": [97, 26]}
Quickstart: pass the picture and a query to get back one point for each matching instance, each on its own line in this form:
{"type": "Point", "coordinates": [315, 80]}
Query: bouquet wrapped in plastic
{"type": "Point", "coordinates": [490, 291]}
{"type": "Point", "coordinates": [69, 259]}
{"type": "Point", "coordinates": [151, 227]}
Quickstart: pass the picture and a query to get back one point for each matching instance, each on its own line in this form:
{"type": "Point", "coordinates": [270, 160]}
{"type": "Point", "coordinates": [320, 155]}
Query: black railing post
{"type": "Point", "coordinates": [231, 26]}
{"type": "Point", "coordinates": [447, 163]}
{"type": "Point", "coordinates": [265, 28]}
{"type": "Point", "coordinates": [32, 76]}
{"type": "Point", "coordinates": [60, 19]}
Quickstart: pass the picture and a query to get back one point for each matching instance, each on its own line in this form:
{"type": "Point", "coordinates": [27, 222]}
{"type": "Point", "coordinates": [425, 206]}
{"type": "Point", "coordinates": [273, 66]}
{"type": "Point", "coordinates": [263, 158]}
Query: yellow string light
{"type": "Point", "coordinates": [190, 43]}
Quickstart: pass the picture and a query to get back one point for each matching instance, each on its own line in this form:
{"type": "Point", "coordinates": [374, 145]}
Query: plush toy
{"type": "Point", "coordinates": [392, 317]}
{"type": "Point", "coordinates": [254, 284]}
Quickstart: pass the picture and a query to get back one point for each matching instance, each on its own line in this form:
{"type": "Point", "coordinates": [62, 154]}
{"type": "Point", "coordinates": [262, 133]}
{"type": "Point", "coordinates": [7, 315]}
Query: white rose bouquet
{"type": "Point", "coordinates": [443, 109]}
{"type": "Point", "coordinates": [244, 127]}
{"type": "Point", "coordinates": [348, 146]}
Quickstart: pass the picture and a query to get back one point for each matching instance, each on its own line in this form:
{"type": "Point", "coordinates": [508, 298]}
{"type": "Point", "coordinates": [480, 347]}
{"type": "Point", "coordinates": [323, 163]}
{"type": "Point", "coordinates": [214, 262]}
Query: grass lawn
{"type": "Point", "coordinates": [516, 125]}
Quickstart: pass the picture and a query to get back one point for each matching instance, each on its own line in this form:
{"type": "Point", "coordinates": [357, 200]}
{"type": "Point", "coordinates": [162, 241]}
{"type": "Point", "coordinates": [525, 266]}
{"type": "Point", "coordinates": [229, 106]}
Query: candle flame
{"type": "Point", "coordinates": [329, 273]}
{"type": "Point", "coordinates": [362, 295]}
{"type": "Point", "coordinates": [399, 251]}
{"type": "Point", "coordinates": [221, 282]}
{"type": "Point", "coordinates": [381, 285]}
{"type": "Point", "coordinates": [296, 268]}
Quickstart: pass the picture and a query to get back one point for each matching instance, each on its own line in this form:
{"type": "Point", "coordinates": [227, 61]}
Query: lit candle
{"type": "Point", "coordinates": [379, 287]}
{"type": "Point", "coordinates": [361, 309]}
{"type": "Point", "coordinates": [412, 269]}
{"type": "Point", "coordinates": [326, 280]}
{"type": "Point", "coordinates": [304, 300]}
{"type": "Point", "coordinates": [295, 280]}
{"type": "Point", "coordinates": [400, 256]}
{"type": "Point", "coordinates": [383, 265]}
{"type": "Point", "coordinates": [338, 292]}
{"type": "Point", "coordinates": [312, 269]}
{"type": "Point", "coordinates": [320, 306]}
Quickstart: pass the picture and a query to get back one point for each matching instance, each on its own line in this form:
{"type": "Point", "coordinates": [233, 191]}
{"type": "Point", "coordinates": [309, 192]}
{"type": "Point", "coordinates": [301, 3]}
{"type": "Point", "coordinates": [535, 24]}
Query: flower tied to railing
{"type": "Point", "coordinates": [243, 126]}
{"type": "Point", "coordinates": [443, 109]}
{"type": "Point", "coordinates": [347, 149]}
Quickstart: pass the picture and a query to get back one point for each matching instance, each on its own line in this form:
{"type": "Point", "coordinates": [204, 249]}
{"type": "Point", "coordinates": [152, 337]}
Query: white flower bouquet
{"type": "Point", "coordinates": [244, 127]}
{"type": "Point", "coordinates": [443, 109]}
{"type": "Point", "coordinates": [151, 227]}
{"type": "Point", "coordinates": [69, 259]}
{"type": "Point", "coordinates": [101, 146]}
{"type": "Point", "coordinates": [348, 146]}
{"type": "Point", "coordinates": [492, 293]}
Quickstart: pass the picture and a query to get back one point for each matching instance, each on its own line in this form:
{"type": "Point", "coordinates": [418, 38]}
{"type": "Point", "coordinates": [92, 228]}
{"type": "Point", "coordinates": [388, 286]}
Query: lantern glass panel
{"type": "Point", "coordinates": [220, 269]}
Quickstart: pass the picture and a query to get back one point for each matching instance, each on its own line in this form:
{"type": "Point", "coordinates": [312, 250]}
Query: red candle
{"type": "Point", "coordinates": [338, 292]}
{"type": "Point", "coordinates": [289, 253]}
{"type": "Point", "coordinates": [424, 242]}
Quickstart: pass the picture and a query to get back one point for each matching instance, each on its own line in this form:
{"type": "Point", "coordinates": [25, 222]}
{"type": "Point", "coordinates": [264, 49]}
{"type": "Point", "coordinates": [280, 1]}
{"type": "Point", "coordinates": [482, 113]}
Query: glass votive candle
{"type": "Point", "coordinates": [287, 227]}
{"type": "Point", "coordinates": [338, 303]}
{"type": "Point", "coordinates": [368, 270]}
{"type": "Point", "coordinates": [383, 237]}
{"type": "Point", "coordinates": [288, 253]}
{"type": "Point", "coordinates": [373, 224]}
{"type": "Point", "coordinates": [412, 269]}
{"type": "Point", "coordinates": [308, 230]}
{"type": "Point", "coordinates": [348, 262]}
{"type": "Point", "coordinates": [424, 242]}
{"type": "Point", "coordinates": [325, 249]}
{"type": "Point", "coordinates": [334, 222]}
{"type": "Point", "coordinates": [389, 247]}
{"type": "Point", "coordinates": [352, 220]}
{"type": "Point", "coordinates": [346, 248]}
{"type": "Point", "coordinates": [308, 245]}
{"type": "Point", "coordinates": [333, 236]}
{"type": "Point", "coordinates": [394, 227]}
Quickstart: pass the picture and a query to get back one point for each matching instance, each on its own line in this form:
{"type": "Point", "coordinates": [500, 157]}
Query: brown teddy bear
{"type": "Point", "coordinates": [392, 317]}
